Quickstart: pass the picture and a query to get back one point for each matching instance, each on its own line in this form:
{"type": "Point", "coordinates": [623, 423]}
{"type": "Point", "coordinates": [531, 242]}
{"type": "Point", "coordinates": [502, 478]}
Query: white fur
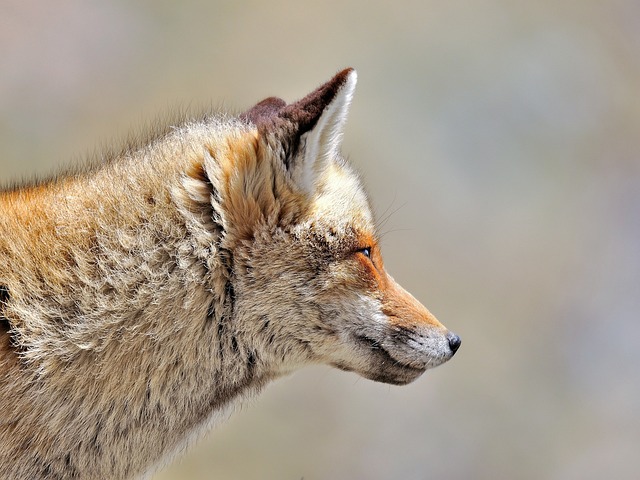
{"type": "Point", "coordinates": [323, 142]}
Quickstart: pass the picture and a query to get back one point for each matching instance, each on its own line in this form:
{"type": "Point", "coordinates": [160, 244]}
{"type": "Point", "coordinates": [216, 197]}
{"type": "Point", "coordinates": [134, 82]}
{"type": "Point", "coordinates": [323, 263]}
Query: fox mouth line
{"type": "Point", "coordinates": [375, 346]}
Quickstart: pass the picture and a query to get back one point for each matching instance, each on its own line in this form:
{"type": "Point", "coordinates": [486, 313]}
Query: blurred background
{"type": "Point", "coordinates": [501, 142]}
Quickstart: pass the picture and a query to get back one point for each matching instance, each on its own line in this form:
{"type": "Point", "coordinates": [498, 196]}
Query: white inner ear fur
{"type": "Point", "coordinates": [322, 143]}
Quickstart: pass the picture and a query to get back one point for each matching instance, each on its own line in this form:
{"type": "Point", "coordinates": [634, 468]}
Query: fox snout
{"type": "Point", "coordinates": [414, 338]}
{"type": "Point", "coordinates": [401, 339]}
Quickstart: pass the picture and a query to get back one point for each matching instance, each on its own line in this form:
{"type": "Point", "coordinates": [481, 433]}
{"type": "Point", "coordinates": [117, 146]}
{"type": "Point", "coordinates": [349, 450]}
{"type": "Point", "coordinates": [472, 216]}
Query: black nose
{"type": "Point", "coordinates": [454, 341]}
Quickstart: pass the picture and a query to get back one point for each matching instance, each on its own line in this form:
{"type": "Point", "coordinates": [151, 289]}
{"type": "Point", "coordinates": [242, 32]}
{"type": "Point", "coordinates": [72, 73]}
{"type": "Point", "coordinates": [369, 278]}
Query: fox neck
{"type": "Point", "coordinates": [153, 354]}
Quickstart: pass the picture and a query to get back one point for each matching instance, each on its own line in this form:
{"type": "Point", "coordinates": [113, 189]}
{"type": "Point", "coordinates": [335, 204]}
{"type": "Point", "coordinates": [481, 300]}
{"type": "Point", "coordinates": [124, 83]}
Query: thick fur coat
{"type": "Point", "coordinates": [142, 298]}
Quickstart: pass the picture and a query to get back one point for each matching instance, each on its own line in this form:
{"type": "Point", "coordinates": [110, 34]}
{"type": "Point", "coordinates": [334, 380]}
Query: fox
{"type": "Point", "coordinates": [146, 296]}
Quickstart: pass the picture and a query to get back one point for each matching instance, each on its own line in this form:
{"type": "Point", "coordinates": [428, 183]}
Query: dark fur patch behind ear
{"type": "Point", "coordinates": [4, 298]}
{"type": "Point", "coordinates": [263, 111]}
{"type": "Point", "coordinates": [4, 294]}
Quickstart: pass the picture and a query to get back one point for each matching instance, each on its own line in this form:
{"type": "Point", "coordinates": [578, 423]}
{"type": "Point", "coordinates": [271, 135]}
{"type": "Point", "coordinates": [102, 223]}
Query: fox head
{"type": "Point", "coordinates": [308, 278]}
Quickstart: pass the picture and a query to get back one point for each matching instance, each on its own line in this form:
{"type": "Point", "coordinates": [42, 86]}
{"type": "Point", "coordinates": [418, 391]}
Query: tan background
{"type": "Point", "coordinates": [502, 140]}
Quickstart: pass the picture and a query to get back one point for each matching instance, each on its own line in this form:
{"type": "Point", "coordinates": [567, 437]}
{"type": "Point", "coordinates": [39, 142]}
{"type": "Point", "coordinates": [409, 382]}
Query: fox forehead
{"type": "Point", "coordinates": [342, 201]}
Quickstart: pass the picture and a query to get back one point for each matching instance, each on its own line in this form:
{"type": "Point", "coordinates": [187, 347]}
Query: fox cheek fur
{"type": "Point", "coordinates": [356, 316]}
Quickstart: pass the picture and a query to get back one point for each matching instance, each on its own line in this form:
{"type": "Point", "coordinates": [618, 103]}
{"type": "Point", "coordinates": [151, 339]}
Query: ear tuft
{"type": "Point", "coordinates": [323, 139]}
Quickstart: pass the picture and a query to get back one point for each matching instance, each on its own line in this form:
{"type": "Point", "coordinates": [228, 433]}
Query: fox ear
{"type": "Point", "coordinates": [309, 130]}
{"type": "Point", "coordinates": [321, 117]}
{"type": "Point", "coordinates": [260, 113]}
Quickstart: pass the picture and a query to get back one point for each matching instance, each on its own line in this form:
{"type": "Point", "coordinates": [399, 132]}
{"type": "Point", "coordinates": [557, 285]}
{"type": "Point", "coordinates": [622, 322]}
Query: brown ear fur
{"type": "Point", "coordinates": [306, 112]}
{"type": "Point", "coordinates": [287, 123]}
{"type": "Point", "coordinates": [264, 110]}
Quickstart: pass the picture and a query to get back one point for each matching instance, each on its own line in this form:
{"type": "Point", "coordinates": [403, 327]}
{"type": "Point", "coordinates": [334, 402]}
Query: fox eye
{"type": "Point", "coordinates": [366, 251]}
